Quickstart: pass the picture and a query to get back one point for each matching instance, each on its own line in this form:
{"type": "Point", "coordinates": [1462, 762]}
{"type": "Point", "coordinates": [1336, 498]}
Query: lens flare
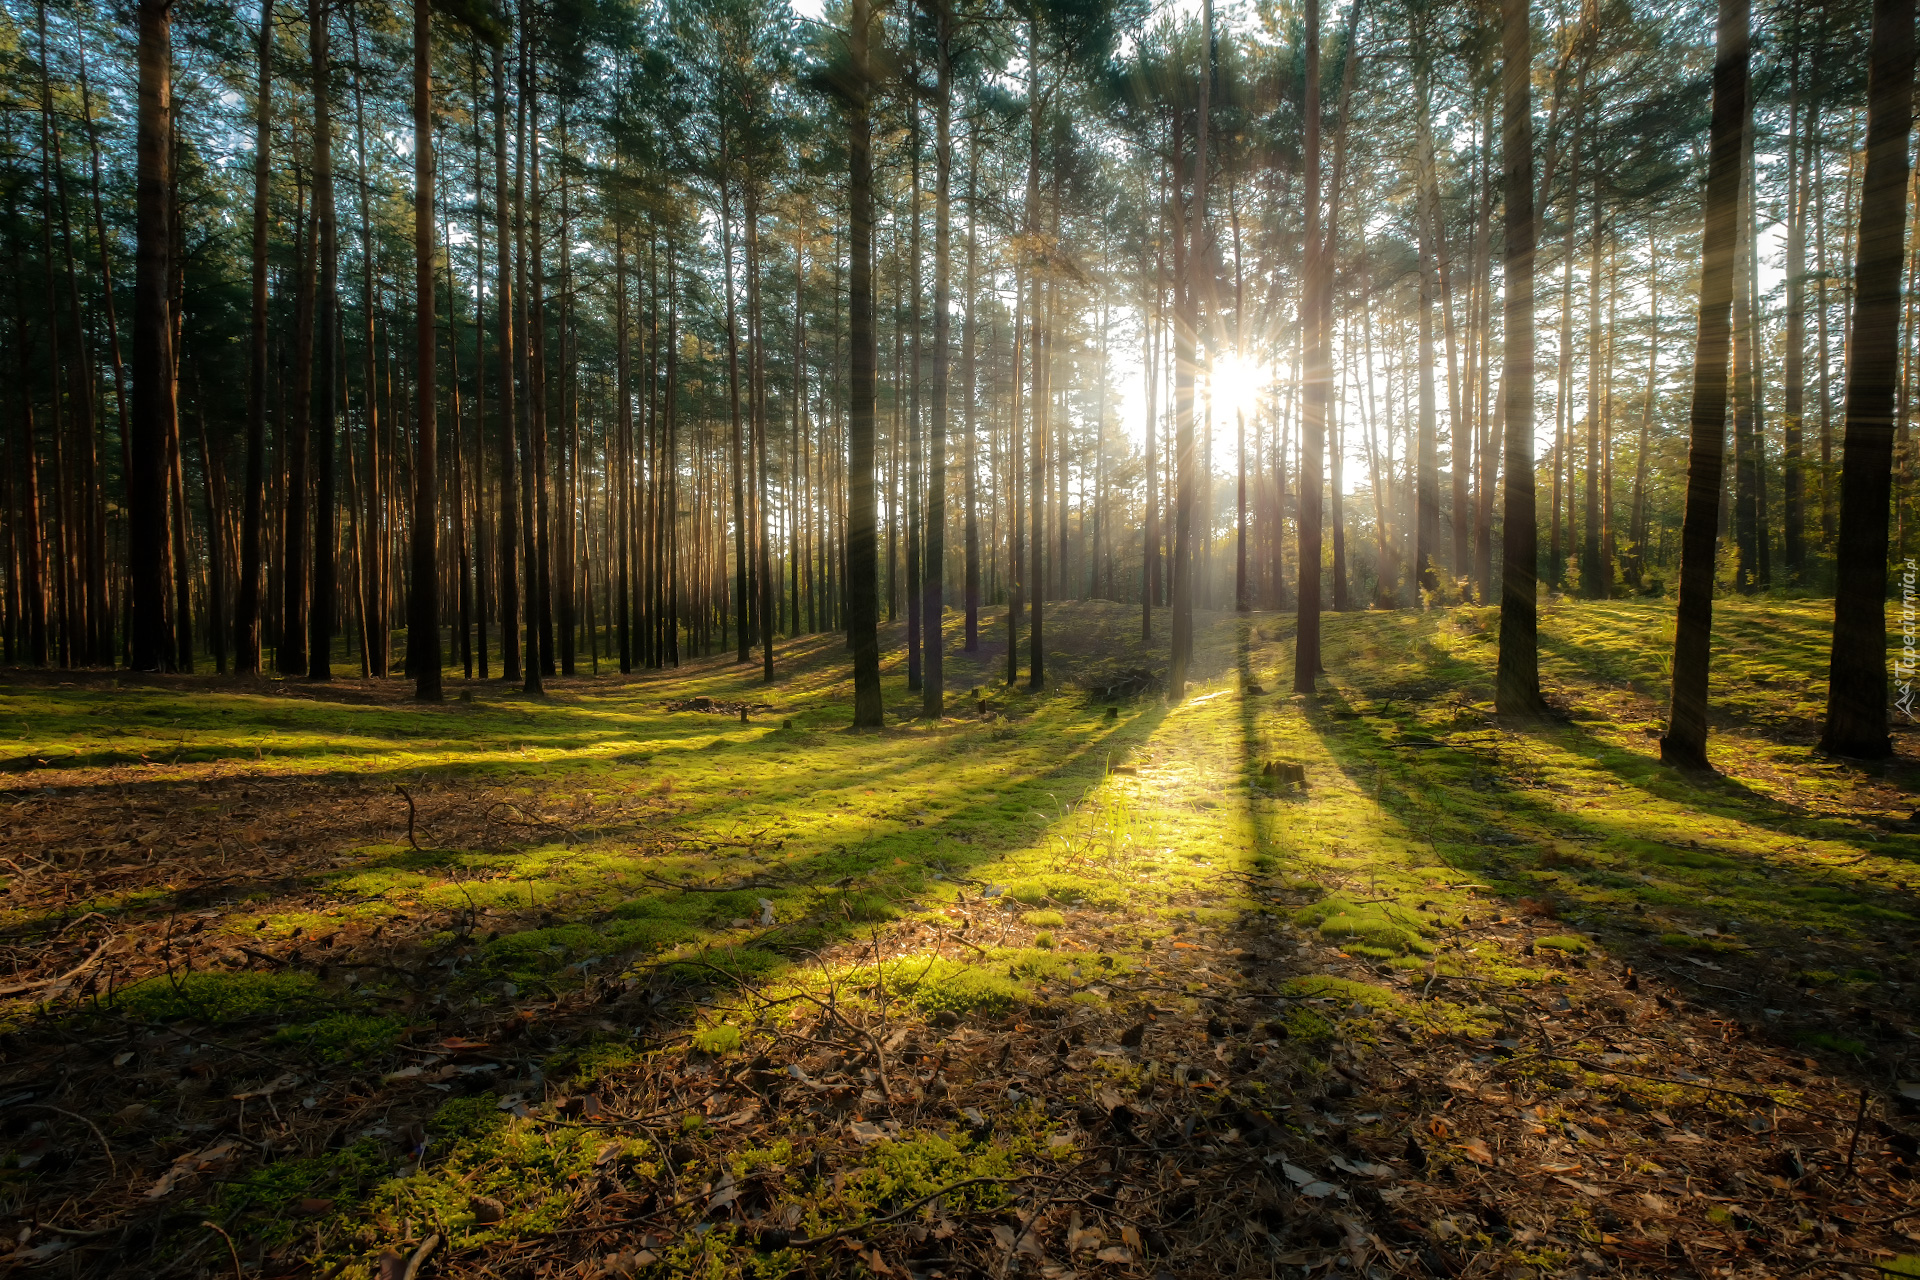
{"type": "Point", "coordinates": [1237, 385]}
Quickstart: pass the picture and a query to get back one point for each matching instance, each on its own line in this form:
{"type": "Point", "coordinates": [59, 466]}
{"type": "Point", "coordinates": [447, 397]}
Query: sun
{"type": "Point", "coordinates": [1237, 385]}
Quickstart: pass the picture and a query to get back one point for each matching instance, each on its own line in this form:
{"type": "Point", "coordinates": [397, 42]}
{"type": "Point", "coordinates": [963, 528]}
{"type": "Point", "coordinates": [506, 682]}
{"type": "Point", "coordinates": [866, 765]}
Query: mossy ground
{"type": "Point", "coordinates": [611, 900]}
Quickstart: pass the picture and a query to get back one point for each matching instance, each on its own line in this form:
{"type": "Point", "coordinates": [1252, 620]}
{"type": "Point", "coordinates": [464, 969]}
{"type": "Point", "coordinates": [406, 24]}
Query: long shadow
{"type": "Point", "coordinates": [1460, 792]}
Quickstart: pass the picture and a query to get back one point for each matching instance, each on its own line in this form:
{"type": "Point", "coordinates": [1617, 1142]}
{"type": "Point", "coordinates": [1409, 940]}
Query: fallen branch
{"type": "Point", "coordinates": [665, 883]}
{"type": "Point", "coordinates": [1604, 1069]}
{"type": "Point", "coordinates": [421, 1255]}
{"type": "Point", "coordinates": [24, 987]}
{"type": "Point", "coordinates": [814, 1242]}
{"type": "Point", "coordinates": [104, 1144]}
{"type": "Point", "coordinates": [408, 797]}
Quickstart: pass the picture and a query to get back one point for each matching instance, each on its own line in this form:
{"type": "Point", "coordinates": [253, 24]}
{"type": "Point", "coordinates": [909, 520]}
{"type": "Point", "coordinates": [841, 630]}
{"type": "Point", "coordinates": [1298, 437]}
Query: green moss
{"type": "Point", "coordinates": [1307, 1026]}
{"type": "Point", "coordinates": [258, 1201]}
{"type": "Point", "coordinates": [1833, 1043]}
{"type": "Point", "coordinates": [1067, 890]}
{"type": "Point", "coordinates": [223, 997]}
{"type": "Point", "coordinates": [1707, 946]}
{"type": "Point", "coordinates": [717, 1040]}
{"type": "Point", "coordinates": [866, 908]}
{"type": "Point", "coordinates": [1044, 919]}
{"type": "Point", "coordinates": [1323, 987]}
{"type": "Point", "coordinates": [345, 1037]}
{"type": "Point", "coordinates": [464, 1118]}
{"type": "Point", "coordinates": [1568, 942]}
{"type": "Point", "coordinates": [953, 986]}
{"type": "Point", "coordinates": [729, 965]}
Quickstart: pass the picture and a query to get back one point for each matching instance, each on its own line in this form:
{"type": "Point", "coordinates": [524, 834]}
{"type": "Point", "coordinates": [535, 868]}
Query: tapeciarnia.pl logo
{"type": "Point", "coordinates": [1905, 664]}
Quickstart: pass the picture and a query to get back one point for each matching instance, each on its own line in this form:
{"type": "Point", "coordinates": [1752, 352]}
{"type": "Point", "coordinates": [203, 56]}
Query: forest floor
{"type": "Point", "coordinates": [312, 980]}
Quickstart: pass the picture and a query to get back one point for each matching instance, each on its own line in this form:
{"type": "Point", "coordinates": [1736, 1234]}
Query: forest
{"type": "Point", "coordinates": [959, 638]}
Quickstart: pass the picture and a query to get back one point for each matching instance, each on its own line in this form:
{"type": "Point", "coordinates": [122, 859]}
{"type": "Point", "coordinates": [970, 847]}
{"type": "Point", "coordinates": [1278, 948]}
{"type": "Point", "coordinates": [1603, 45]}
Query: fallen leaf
{"type": "Point", "coordinates": [1298, 1176]}
{"type": "Point", "coordinates": [1584, 1188]}
{"type": "Point", "coordinates": [1114, 1253]}
{"type": "Point", "coordinates": [865, 1132]}
{"type": "Point", "coordinates": [1362, 1168]}
{"type": "Point", "coordinates": [1476, 1150]}
{"type": "Point", "coordinates": [486, 1210]}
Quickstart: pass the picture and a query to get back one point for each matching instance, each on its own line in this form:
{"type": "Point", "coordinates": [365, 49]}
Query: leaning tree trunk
{"type": "Point", "coordinates": [1517, 690]}
{"type": "Point", "coordinates": [1685, 744]}
{"type": "Point", "coordinates": [1857, 681]}
{"type": "Point", "coordinates": [863, 566]}
{"type": "Point", "coordinates": [423, 617]}
{"type": "Point", "coordinates": [154, 406]}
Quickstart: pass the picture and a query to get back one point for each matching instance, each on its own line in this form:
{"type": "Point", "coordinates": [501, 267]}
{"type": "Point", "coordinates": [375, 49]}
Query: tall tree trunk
{"type": "Point", "coordinates": [103, 611]}
{"type": "Point", "coordinates": [1793, 484]}
{"type": "Point", "coordinates": [1595, 577]}
{"type": "Point", "coordinates": [863, 585]}
{"type": "Point", "coordinates": [934, 689]}
{"type": "Point", "coordinates": [320, 609]}
{"type": "Point", "coordinates": [423, 617]}
{"type": "Point", "coordinates": [154, 406]}
{"type": "Point", "coordinates": [373, 542]}
{"type": "Point", "coordinates": [291, 654]}
{"type": "Point", "coordinates": [1685, 744]}
{"type": "Point", "coordinates": [1517, 682]}
{"type": "Point", "coordinates": [1636, 560]}
{"type": "Point", "coordinates": [763, 566]}
{"type": "Point", "coordinates": [1856, 723]}
{"type": "Point", "coordinates": [246, 613]}
{"type": "Point", "coordinates": [1187, 338]}
{"type": "Point", "coordinates": [1330, 259]}
{"type": "Point", "coordinates": [1313, 391]}
{"type": "Point", "coordinates": [505, 237]}
{"type": "Point", "coordinates": [971, 589]}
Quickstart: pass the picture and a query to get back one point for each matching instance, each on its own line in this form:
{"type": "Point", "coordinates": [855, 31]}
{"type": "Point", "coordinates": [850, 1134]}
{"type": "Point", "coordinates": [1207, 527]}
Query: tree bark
{"type": "Point", "coordinates": [320, 606]}
{"type": "Point", "coordinates": [1685, 744]}
{"type": "Point", "coordinates": [1517, 681]}
{"type": "Point", "coordinates": [423, 619]}
{"type": "Point", "coordinates": [1857, 716]}
{"type": "Point", "coordinates": [863, 585]}
{"type": "Point", "coordinates": [933, 585]}
{"type": "Point", "coordinates": [154, 405]}
{"type": "Point", "coordinates": [246, 613]}
{"type": "Point", "coordinates": [1313, 392]}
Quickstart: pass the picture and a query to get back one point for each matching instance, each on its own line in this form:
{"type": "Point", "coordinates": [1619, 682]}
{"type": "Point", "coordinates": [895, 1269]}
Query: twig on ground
{"type": "Point", "coordinates": [665, 883]}
{"type": "Point", "coordinates": [421, 1255]}
{"type": "Point", "coordinates": [814, 1242]}
{"type": "Point", "coordinates": [1853, 1143]}
{"type": "Point", "coordinates": [408, 797]}
{"type": "Point", "coordinates": [1604, 1069]}
{"type": "Point", "coordinates": [105, 1146]}
{"type": "Point", "coordinates": [238, 1272]}
{"type": "Point", "coordinates": [24, 987]}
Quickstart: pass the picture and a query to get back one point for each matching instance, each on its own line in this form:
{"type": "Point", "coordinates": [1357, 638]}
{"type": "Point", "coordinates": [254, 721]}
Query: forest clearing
{"type": "Point", "coordinates": [1074, 982]}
